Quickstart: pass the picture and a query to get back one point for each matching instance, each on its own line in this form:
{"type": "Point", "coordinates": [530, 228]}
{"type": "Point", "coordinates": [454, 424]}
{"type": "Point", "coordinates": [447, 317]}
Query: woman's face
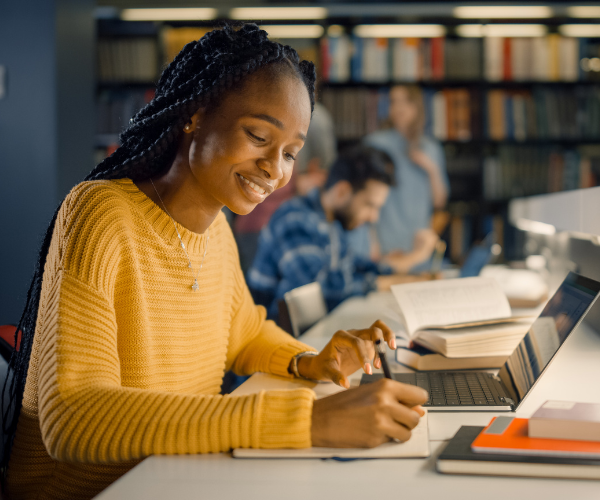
{"type": "Point", "coordinates": [403, 111]}
{"type": "Point", "coordinates": [245, 148]}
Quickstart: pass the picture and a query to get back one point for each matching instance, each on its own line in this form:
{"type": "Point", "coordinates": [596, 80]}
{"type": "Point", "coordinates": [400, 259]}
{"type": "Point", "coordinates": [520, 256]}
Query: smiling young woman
{"type": "Point", "coordinates": [138, 304]}
{"type": "Point", "coordinates": [238, 153]}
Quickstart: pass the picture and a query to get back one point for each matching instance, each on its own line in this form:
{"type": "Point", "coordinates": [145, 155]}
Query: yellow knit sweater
{"type": "Point", "coordinates": [128, 360]}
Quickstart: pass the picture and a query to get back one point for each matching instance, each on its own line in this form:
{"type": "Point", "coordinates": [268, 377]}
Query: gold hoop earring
{"type": "Point", "coordinates": [188, 127]}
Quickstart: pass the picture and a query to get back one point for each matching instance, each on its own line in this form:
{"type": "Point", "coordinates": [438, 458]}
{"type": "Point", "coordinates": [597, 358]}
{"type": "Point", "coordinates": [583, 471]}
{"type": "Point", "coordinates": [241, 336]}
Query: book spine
{"type": "Point", "coordinates": [437, 58]}
{"type": "Point", "coordinates": [507, 59]}
{"type": "Point", "coordinates": [356, 63]}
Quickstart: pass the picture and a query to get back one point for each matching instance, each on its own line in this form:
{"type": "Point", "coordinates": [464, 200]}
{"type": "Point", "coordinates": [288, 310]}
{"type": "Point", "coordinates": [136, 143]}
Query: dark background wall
{"type": "Point", "coordinates": [46, 127]}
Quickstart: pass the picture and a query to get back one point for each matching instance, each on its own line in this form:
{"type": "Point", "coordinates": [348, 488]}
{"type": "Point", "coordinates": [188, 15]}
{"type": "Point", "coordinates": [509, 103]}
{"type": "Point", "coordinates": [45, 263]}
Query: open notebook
{"type": "Point", "coordinates": [416, 447]}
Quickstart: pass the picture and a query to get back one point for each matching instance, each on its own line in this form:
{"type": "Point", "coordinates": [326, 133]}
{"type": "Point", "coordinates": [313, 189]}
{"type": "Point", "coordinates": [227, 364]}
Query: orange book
{"type": "Point", "coordinates": [437, 58]}
{"type": "Point", "coordinates": [325, 59]}
{"type": "Point", "coordinates": [553, 43]}
{"type": "Point", "coordinates": [507, 58]}
{"type": "Point", "coordinates": [496, 115]}
{"type": "Point", "coordinates": [509, 435]}
{"type": "Point", "coordinates": [450, 114]}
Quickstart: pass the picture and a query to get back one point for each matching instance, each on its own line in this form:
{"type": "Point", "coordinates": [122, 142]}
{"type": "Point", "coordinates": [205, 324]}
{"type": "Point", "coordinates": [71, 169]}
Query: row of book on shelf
{"type": "Point", "coordinates": [515, 171]}
{"type": "Point", "coordinates": [462, 114]}
{"type": "Point", "coordinates": [139, 58]}
{"type": "Point", "coordinates": [116, 106]}
{"type": "Point", "coordinates": [128, 59]}
{"type": "Point", "coordinates": [549, 58]}
{"type": "Point", "coordinates": [346, 58]}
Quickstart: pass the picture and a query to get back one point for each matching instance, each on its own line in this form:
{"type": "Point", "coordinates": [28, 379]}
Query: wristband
{"type": "Point", "coordinates": [293, 368]}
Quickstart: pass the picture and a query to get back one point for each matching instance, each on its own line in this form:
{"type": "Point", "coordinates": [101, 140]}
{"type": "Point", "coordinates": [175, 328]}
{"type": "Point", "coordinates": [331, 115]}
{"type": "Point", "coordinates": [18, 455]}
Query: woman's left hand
{"type": "Point", "coordinates": [346, 352]}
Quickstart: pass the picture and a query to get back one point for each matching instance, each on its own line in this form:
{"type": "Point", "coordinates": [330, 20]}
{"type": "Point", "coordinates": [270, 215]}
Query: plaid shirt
{"type": "Point", "coordinates": [299, 246]}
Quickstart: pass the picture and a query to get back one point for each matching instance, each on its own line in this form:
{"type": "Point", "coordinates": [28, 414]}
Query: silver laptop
{"type": "Point", "coordinates": [482, 391]}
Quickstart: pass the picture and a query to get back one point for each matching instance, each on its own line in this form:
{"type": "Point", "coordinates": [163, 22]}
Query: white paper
{"type": "Point", "coordinates": [416, 447]}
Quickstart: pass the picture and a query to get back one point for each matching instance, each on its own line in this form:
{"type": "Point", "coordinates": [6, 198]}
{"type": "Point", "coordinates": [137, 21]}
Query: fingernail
{"type": "Point", "coordinates": [393, 343]}
{"type": "Point", "coordinates": [368, 369]}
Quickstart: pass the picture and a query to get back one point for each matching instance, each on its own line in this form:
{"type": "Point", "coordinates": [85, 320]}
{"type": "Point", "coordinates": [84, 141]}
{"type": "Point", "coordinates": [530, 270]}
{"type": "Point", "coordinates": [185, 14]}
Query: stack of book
{"type": "Point", "coordinates": [561, 440]}
{"type": "Point", "coordinates": [462, 323]}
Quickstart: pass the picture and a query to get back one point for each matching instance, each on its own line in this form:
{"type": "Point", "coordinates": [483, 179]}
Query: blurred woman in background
{"type": "Point", "coordinates": [403, 231]}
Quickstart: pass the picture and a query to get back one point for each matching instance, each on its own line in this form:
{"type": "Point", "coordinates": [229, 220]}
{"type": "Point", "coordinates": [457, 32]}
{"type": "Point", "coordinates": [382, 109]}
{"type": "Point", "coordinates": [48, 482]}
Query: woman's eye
{"type": "Point", "coordinates": [289, 157]}
{"type": "Point", "coordinates": [255, 137]}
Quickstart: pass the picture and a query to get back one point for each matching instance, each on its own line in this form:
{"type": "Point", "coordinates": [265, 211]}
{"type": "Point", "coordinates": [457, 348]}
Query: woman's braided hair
{"type": "Point", "coordinates": [197, 78]}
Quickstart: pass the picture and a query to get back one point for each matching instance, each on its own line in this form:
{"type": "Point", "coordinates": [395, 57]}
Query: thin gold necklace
{"type": "Point", "coordinates": [195, 286]}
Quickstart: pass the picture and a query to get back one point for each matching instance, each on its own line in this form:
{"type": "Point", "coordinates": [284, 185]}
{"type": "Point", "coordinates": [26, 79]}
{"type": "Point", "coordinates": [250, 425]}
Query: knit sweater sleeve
{"type": "Point", "coordinates": [257, 344]}
{"type": "Point", "coordinates": [88, 416]}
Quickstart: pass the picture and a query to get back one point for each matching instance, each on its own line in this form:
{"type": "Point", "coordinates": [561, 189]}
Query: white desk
{"type": "Point", "coordinates": [222, 477]}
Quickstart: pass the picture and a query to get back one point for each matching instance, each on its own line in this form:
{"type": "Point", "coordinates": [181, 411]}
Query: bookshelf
{"type": "Point", "coordinates": [516, 116]}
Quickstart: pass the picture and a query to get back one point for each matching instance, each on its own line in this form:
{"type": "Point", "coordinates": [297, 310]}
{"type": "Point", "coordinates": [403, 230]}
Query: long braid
{"type": "Point", "coordinates": [196, 78]}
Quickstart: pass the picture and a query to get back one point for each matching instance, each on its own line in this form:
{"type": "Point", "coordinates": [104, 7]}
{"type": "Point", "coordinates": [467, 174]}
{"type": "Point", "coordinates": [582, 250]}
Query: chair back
{"type": "Point", "coordinates": [306, 305]}
{"type": "Point", "coordinates": [7, 346]}
{"type": "Point", "coordinates": [7, 341]}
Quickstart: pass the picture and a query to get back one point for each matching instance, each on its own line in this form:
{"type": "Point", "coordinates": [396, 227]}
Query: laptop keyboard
{"type": "Point", "coordinates": [452, 389]}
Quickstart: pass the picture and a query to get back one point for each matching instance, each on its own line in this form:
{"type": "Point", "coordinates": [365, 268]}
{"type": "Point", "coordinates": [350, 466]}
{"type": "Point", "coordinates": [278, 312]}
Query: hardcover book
{"type": "Point", "coordinates": [458, 458]}
{"type": "Point", "coordinates": [509, 435]}
{"type": "Point", "coordinates": [465, 317]}
{"type": "Point", "coordinates": [422, 359]}
{"type": "Point", "coordinates": [566, 420]}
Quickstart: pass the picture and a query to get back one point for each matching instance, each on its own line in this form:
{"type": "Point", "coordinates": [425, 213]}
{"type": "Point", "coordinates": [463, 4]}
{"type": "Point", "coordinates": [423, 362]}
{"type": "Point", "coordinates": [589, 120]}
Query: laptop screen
{"type": "Point", "coordinates": [548, 332]}
{"type": "Point", "coordinates": [478, 257]}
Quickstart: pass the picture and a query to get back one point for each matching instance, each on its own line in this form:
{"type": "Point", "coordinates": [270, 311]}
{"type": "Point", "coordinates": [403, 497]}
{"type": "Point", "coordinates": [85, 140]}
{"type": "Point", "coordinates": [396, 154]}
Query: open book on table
{"type": "Point", "coordinates": [464, 317]}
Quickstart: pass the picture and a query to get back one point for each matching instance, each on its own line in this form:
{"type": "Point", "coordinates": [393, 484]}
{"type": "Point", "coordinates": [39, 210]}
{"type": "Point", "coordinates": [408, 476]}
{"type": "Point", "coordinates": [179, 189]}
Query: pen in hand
{"type": "Point", "coordinates": [380, 348]}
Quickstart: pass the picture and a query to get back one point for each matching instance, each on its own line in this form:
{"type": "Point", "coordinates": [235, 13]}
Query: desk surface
{"type": "Point", "coordinates": [221, 477]}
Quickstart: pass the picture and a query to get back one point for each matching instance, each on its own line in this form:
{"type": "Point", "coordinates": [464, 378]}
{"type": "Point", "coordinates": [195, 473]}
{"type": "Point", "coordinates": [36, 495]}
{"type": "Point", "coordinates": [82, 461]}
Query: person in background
{"type": "Point", "coordinates": [317, 155]}
{"type": "Point", "coordinates": [310, 171]}
{"type": "Point", "coordinates": [404, 225]}
{"type": "Point", "coordinates": [306, 240]}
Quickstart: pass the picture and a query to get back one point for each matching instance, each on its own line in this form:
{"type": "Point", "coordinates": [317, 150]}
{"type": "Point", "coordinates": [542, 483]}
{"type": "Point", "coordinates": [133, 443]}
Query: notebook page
{"type": "Point", "coordinates": [446, 302]}
{"type": "Point", "coordinates": [416, 447]}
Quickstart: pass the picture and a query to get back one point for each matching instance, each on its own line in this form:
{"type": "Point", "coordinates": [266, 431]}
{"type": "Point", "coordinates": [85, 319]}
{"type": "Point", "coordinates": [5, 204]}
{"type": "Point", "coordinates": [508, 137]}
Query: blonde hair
{"type": "Point", "coordinates": [417, 127]}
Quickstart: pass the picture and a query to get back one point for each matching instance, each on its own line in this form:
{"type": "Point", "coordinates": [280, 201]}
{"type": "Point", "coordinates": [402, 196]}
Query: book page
{"type": "Point", "coordinates": [446, 302]}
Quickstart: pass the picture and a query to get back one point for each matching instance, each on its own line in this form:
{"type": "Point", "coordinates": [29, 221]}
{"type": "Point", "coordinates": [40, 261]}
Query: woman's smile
{"type": "Point", "coordinates": [255, 192]}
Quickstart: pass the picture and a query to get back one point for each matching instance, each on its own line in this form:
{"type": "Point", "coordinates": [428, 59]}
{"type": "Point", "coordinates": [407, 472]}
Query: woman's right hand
{"type": "Point", "coordinates": [368, 415]}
